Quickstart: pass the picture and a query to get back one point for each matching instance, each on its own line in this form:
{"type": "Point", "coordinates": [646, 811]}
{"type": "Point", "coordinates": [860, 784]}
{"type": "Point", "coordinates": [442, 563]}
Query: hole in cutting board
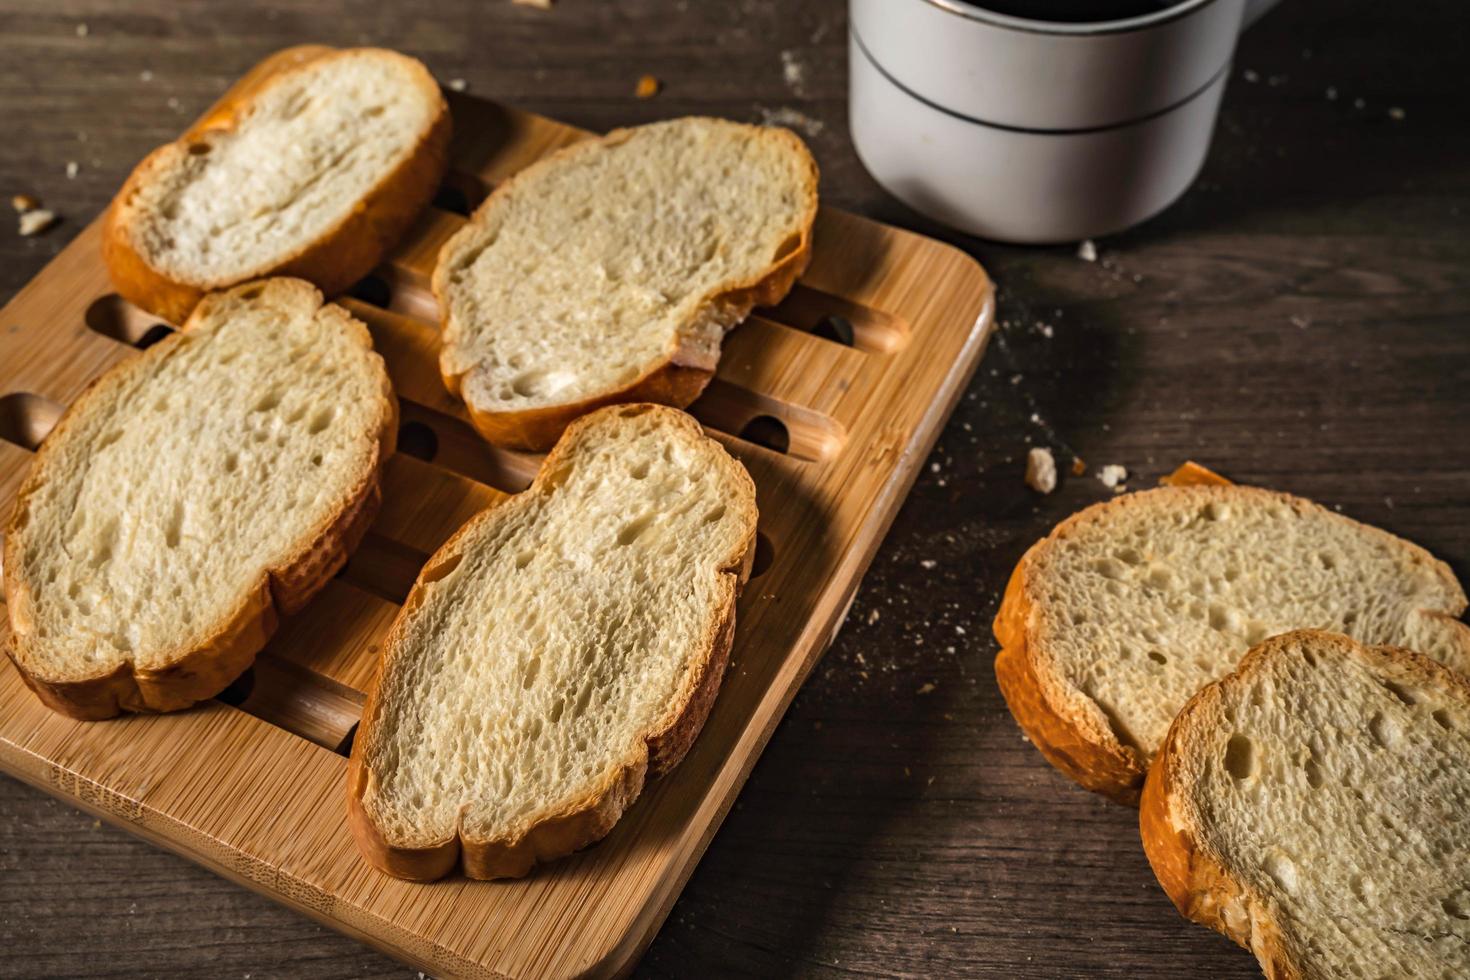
{"type": "Point", "coordinates": [459, 448]}
{"type": "Point", "coordinates": [460, 193]}
{"type": "Point", "coordinates": [344, 748]}
{"type": "Point", "coordinates": [768, 431]}
{"type": "Point", "coordinates": [373, 289]}
{"type": "Point", "coordinates": [117, 319]}
{"type": "Point", "coordinates": [809, 434]}
{"type": "Point", "coordinates": [834, 318]}
{"type": "Point", "coordinates": [27, 419]}
{"type": "Point", "coordinates": [836, 328]}
{"type": "Point", "coordinates": [239, 690]}
{"type": "Point", "coordinates": [452, 199]}
{"type": "Point", "coordinates": [418, 440]}
{"type": "Point", "coordinates": [155, 333]}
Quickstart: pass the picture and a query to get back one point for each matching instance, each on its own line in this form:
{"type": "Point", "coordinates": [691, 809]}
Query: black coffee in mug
{"type": "Point", "coordinates": [1074, 11]}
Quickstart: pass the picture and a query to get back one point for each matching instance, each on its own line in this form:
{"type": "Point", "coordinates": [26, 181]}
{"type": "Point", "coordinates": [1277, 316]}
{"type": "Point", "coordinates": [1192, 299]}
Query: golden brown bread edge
{"type": "Point", "coordinates": [575, 825]}
{"type": "Point", "coordinates": [673, 382]}
{"type": "Point", "coordinates": [1196, 882]}
{"type": "Point", "coordinates": [1081, 744]}
{"type": "Point", "coordinates": [334, 262]}
{"type": "Point", "coordinates": [1102, 765]}
{"type": "Point", "coordinates": [1115, 771]}
{"type": "Point", "coordinates": [202, 671]}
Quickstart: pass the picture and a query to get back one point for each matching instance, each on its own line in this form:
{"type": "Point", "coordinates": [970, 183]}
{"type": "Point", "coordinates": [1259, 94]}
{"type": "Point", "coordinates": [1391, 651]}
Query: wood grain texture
{"type": "Point", "coordinates": [1300, 321]}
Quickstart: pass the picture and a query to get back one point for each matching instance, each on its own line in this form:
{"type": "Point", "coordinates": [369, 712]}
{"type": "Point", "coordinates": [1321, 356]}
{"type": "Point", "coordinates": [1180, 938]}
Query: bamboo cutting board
{"type": "Point", "coordinates": [831, 400]}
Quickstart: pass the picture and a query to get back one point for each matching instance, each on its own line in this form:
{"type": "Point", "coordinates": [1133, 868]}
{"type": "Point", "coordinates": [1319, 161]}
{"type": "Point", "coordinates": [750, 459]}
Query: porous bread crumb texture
{"type": "Point", "coordinates": [595, 267]}
{"type": "Point", "coordinates": [556, 633]}
{"type": "Point", "coordinates": [167, 493]}
{"type": "Point", "coordinates": [233, 203]}
{"type": "Point", "coordinates": [1332, 782]}
{"type": "Point", "coordinates": [1139, 602]}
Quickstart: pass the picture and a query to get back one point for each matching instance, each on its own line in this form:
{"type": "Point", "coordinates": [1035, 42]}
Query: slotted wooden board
{"type": "Point", "coordinates": [252, 785]}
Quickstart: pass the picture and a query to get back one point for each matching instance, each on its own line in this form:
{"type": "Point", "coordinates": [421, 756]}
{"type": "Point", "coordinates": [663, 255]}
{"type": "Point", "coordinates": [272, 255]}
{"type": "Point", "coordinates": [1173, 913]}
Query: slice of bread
{"type": "Point", "coordinates": [191, 494]}
{"type": "Point", "coordinates": [1111, 622]}
{"type": "Point", "coordinates": [555, 651]}
{"type": "Point", "coordinates": [1314, 806]}
{"type": "Point", "coordinates": [314, 173]}
{"type": "Point", "coordinates": [611, 270]}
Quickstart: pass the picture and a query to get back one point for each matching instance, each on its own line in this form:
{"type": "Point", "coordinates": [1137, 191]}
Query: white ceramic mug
{"type": "Point", "coordinates": [1037, 131]}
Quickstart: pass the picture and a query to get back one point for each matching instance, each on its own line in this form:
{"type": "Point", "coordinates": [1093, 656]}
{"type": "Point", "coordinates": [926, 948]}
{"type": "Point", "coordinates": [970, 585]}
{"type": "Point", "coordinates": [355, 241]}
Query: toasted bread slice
{"type": "Point", "coordinates": [314, 173]}
{"type": "Point", "coordinates": [611, 270]}
{"type": "Point", "coordinates": [192, 494]}
{"type": "Point", "coordinates": [556, 650]}
{"type": "Point", "coordinates": [1314, 806]}
{"type": "Point", "coordinates": [1112, 621]}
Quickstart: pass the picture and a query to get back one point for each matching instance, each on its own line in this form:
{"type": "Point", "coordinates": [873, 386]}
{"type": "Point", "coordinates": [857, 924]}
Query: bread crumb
{"type": "Point", "coordinates": [37, 220]}
{"type": "Point", "coordinates": [145, 75]}
{"type": "Point", "coordinates": [1332, 93]}
{"type": "Point", "coordinates": [1360, 104]}
{"type": "Point", "coordinates": [1087, 251]}
{"type": "Point", "coordinates": [1113, 476]}
{"type": "Point", "coordinates": [24, 202]}
{"type": "Point", "coordinates": [1041, 470]}
{"type": "Point", "coordinates": [873, 617]}
{"type": "Point", "coordinates": [96, 824]}
{"type": "Point", "coordinates": [794, 72]}
{"type": "Point", "coordinates": [648, 87]}
{"type": "Point", "coordinates": [1250, 76]}
{"type": "Point", "coordinates": [83, 30]}
{"type": "Point", "coordinates": [458, 84]}
{"type": "Point", "coordinates": [1396, 114]}
{"type": "Point", "coordinates": [538, 4]}
{"type": "Point", "coordinates": [928, 564]}
{"type": "Point", "coordinates": [1079, 466]}
{"type": "Point", "coordinates": [792, 119]}
{"type": "Point", "coordinates": [72, 168]}
{"type": "Point", "coordinates": [927, 688]}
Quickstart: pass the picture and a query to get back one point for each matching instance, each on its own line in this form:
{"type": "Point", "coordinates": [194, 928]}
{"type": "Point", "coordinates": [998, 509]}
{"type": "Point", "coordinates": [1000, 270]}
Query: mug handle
{"type": "Point", "coordinates": [1255, 10]}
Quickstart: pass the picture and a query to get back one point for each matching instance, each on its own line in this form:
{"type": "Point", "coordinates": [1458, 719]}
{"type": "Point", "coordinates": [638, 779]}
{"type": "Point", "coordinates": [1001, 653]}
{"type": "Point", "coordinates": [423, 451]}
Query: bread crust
{"type": "Point", "coordinates": [1073, 742]}
{"type": "Point", "coordinates": [560, 830]}
{"type": "Point", "coordinates": [684, 372]}
{"type": "Point", "coordinates": [334, 262]}
{"type": "Point", "coordinates": [1065, 725]}
{"type": "Point", "coordinates": [1190, 872]}
{"type": "Point", "coordinates": [192, 674]}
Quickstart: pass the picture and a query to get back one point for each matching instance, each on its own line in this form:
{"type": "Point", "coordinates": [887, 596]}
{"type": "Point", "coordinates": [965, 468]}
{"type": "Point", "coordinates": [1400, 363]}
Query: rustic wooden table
{"type": "Point", "coordinates": [1299, 320]}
